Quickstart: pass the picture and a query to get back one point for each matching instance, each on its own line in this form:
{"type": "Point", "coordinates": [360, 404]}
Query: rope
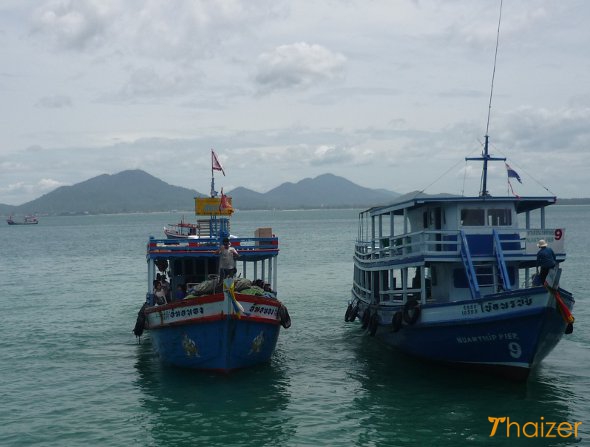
{"type": "Point", "coordinates": [529, 175]}
{"type": "Point", "coordinates": [445, 173]}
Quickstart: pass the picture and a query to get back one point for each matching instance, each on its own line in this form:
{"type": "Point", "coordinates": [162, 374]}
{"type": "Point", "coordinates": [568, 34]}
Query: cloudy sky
{"type": "Point", "coordinates": [388, 93]}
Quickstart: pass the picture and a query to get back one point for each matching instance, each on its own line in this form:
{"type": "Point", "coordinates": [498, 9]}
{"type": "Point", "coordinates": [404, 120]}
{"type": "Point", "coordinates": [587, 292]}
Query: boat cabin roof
{"type": "Point", "coordinates": [418, 200]}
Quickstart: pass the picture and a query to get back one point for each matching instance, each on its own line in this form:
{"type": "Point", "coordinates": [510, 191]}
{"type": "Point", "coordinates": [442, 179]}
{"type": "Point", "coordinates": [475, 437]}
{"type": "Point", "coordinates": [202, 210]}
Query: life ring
{"type": "Point", "coordinates": [411, 311]}
{"type": "Point", "coordinates": [140, 323]}
{"type": "Point", "coordinates": [396, 321]}
{"type": "Point", "coordinates": [373, 324]}
{"type": "Point", "coordinates": [284, 316]}
{"type": "Point", "coordinates": [366, 319]}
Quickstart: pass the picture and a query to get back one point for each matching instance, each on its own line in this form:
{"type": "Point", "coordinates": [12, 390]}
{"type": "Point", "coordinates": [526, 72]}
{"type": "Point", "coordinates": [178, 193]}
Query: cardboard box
{"type": "Point", "coordinates": [263, 232]}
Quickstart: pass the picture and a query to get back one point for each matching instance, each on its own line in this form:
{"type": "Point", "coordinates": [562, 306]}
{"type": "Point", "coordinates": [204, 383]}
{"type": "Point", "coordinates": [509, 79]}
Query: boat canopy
{"type": "Point", "coordinates": [419, 199]}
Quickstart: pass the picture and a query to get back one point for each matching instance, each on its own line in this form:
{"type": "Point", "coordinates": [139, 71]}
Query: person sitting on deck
{"type": "Point", "coordinates": [159, 294]}
{"type": "Point", "coordinates": [546, 260]}
{"type": "Point", "coordinates": [227, 260]}
{"type": "Point", "coordinates": [180, 292]}
{"type": "Point", "coordinates": [165, 286]}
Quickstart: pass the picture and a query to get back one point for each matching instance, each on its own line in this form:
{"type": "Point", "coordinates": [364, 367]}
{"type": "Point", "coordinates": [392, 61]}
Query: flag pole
{"type": "Point", "coordinates": [212, 176]}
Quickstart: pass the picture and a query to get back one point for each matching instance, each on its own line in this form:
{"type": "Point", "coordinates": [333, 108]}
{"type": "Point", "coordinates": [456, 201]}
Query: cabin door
{"type": "Point", "coordinates": [435, 224]}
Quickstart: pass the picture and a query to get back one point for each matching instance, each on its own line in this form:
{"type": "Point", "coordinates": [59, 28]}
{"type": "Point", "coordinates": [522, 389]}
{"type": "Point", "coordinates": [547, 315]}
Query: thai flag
{"type": "Point", "coordinates": [512, 173]}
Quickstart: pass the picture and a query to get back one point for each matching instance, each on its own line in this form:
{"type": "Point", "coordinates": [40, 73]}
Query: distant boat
{"type": "Point", "coordinates": [222, 324]}
{"type": "Point", "coordinates": [183, 229]}
{"type": "Point", "coordinates": [451, 279]}
{"type": "Point", "coordinates": [28, 220]}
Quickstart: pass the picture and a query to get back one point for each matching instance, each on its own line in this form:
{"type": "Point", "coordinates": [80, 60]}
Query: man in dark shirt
{"type": "Point", "coordinates": [546, 260]}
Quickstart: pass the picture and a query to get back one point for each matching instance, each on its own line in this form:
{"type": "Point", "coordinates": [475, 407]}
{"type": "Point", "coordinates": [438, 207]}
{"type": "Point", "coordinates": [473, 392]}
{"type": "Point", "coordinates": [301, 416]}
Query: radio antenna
{"type": "Point", "coordinates": [485, 156]}
{"type": "Point", "coordinates": [494, 71]}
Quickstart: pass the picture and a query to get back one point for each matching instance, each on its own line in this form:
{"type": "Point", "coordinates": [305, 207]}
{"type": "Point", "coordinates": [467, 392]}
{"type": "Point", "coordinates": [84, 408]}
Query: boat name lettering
{"type": "Point", "coordinates": [492, 306]}
{"type": "Point", "coordinates": [263, 310]}
{"type": "Point", "coordinates": [487, 337]}
{"type": "Point", "coordinates": [469, 309]}
{"type": "Point", "coordinates": [188, 312]}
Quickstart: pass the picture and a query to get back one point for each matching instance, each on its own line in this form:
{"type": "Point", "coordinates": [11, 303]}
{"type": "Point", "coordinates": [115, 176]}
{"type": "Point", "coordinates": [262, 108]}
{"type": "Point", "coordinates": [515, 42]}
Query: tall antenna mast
{"type": "Point", "coordinates": [485, 157]}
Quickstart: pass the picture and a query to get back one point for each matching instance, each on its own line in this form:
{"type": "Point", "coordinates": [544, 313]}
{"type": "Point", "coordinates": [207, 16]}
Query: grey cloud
{"type": "Point", "coordinates": [297, 65]}
{"type": "Point", "coordinates": [541, 130]}
{"type": "Point", "coordinates": [170, 30]}
{"type": "Point", "coordinates": [54, 102]}
{"type": "Point", "coordinates": [352, 94]}
{"type": "Point", "coordinates": [73, 25]}
{"type": "Point", "coordinates": [147, 83]}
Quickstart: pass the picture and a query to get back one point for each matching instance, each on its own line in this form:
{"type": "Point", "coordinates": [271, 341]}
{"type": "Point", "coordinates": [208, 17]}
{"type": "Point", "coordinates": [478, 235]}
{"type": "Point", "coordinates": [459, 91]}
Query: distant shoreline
{"type": "Point", "coordinates": [560, 202]}
{"type": "Point", "coordinates": [573, 202]}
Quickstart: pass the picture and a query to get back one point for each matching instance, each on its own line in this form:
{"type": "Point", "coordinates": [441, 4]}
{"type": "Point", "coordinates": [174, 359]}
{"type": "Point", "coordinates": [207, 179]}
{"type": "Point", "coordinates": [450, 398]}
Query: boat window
{"type": "Point", "coordinates": [499, 217]}
{"type": "Point", "coordinates": [472, 217]}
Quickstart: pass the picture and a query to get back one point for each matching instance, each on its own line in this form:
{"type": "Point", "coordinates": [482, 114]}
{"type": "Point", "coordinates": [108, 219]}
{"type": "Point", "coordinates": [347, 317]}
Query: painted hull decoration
{"type": "Point", "coordinates": [199, 320]}
{"type": "Point", "coordinates": [453, 279]}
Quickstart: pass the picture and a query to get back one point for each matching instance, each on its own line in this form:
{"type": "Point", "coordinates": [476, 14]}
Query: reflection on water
{"type": "Point", "coordinates": [189, 407]}
{"type": "Point", "coordinates": [413, 402]}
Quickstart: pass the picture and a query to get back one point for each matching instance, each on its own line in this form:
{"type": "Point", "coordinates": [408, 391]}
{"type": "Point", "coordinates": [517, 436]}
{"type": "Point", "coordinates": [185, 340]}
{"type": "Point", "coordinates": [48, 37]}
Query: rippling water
{"type": "Point", "coordinates": [72, 373]}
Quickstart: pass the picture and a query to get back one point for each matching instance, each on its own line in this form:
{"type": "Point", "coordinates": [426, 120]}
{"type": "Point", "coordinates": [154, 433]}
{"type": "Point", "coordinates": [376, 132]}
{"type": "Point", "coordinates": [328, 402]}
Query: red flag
{"type": "Point", "coordinates": [224, 203]}
{"type": "Point", "coordinates": [215, 165]}
{"type": "Point", "coordinates": [565, 312]}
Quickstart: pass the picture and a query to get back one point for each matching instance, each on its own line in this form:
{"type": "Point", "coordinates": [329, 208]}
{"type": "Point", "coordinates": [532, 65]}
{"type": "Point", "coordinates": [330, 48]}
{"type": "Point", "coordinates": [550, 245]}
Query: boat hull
{"type": "Point", "coordinates": [9, 222]}
{"type": "Point", "coordinates": [207, 333]}
{"type": "Point", "coordinates": [508, 334]}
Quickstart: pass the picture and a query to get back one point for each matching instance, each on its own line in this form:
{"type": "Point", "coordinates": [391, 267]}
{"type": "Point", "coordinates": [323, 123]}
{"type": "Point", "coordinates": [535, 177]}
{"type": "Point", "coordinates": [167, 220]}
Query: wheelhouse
{"type": "Point", "coordinates": [449, 248]}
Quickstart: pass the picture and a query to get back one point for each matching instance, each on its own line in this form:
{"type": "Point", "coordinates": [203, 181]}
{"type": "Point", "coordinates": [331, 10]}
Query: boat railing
{"type": "Point", "coordinates": [513, 242]}
{"type": "Point", "coordinates": [246, 247]}
{"type": "Point", "coordinates": [395, 295]}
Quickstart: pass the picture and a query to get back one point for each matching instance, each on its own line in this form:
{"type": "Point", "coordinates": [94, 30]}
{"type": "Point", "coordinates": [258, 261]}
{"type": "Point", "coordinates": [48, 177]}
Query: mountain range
{"type": "Point", "coordinates": [134, 191]}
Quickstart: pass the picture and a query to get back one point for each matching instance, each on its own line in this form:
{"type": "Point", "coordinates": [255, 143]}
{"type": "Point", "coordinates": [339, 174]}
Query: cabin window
{"type": "Point", "coordinates": [473, 217]}
{"type": "Point", "coordinates": [499, 217]}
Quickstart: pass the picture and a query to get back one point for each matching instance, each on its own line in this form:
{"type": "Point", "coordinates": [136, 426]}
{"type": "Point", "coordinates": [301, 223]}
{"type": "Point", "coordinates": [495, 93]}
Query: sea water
{"type": "Point", "coordinates": [73, 374]}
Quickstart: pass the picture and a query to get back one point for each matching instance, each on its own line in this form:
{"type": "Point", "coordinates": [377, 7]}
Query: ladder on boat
{"type": "Point", "coordinates": [469, 269]}
{"type": "Point", "coordinates": [501, 262]}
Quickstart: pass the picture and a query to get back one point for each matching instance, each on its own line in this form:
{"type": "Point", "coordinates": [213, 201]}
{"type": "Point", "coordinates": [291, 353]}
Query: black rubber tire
{"type": "Point", "coordinates": [411, 311]}
{"type": "Point", "coordinates": [365, 319]}
{"type": "Point", "coordinates": [348, 313]}
{"type": "Point", "coordinates": [373, 324]}
{"type": "Point", "coordinates": [354, 313]}
{"type": "Point", "coordinates": [396, 321]}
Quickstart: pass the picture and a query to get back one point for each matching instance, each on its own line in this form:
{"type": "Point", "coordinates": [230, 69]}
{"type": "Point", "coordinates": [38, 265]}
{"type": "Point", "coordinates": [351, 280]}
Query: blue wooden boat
{"type": "Point", "coordinates": [452, 279]}
{"type": "Point", "coordinates": [204, 321]}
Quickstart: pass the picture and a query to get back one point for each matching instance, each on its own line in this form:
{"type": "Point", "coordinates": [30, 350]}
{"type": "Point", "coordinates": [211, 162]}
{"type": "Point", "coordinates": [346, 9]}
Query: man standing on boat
{"type": "Point", "coordinates": [227, 260]}
{"type": "Point", "coordinates": [546, 260]}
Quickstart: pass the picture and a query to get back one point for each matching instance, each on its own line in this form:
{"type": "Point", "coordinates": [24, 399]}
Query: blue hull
{"type": "Point", "coordinates": [510, 344]}
{"type": "Point", "coordinates": [221, 345]}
